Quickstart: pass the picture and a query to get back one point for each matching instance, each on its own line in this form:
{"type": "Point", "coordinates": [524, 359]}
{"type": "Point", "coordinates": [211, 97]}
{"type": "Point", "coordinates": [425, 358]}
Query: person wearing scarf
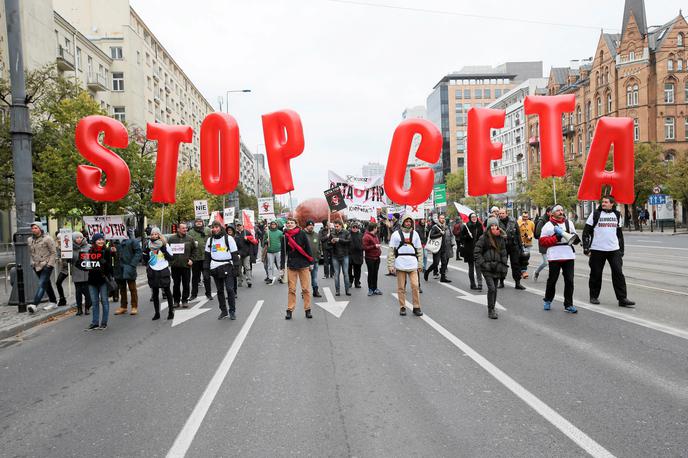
{"type": "Point", "coordinates": [560, 256]}
{"type": "Point", "coordinates": [470, 233]}
{"type": "Point", "coordinates": [99, 268]}
{"type": "Point", "coordinates": [158, 271]}
{"type": "Point", "coordinates": [299, 264]}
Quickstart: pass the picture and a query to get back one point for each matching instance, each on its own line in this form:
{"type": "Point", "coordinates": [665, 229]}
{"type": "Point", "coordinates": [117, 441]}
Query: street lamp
{"type": "Point", "coordinates": [233, 196]}
{"type": "Point", "coordinates": [234, 90]}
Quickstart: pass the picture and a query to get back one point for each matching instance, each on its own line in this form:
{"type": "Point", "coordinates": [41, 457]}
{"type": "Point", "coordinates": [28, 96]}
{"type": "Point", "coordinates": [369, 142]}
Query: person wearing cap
{"type": "Point", "coordinates": [355, 255]}
{"type": "Point", "coordinates": [316, 252]}
{"type": "Point", "coordinates": [491, 260]}
{"type": "Point", "coordinates": [273, 243]}
{"type": "Point", "coordinates": [43, 256]}
{"type": "Point", "coordinates": [299, 263]}
{"type": "Point", "coordinates": [199, 234]}
{"type": "Point", "coordinates": [99, 273]}
{"type": "Point", "coordinates": [221, 254]}
{"type": "Point", "coordinates": [543, 251]}
{"type": "Point", "coordinates": [557, 236]}
{"type": "Point", "coordinates": [128, 256]}
{"type": "Point", "coordinates": [80, 249]}
{"type": "Point", "coordinates": [158, 271]}
{"type": "Point", "coordinates": [405, 261]}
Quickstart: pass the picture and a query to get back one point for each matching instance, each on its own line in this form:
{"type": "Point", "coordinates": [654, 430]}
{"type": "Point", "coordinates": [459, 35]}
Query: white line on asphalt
{"type": "Point", "coordinates": [498, 306]}
{"type": "Point", "coordinates": [562, 424]}
{"type": "Point", "coordinates": [657, 247]}
{"type": "Point", "coordinates": [186, 436]}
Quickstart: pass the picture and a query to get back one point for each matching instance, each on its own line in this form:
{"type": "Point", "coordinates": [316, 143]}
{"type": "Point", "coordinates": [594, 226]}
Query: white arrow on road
{"type": "Point", "coordinates": [182, 315]}
{"type": "Point", "coordinates": [476, 298]}
{"type": "Point", "coordinates": [336, 308]}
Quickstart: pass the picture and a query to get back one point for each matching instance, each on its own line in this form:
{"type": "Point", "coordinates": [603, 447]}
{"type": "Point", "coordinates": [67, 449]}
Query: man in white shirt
{"type": "Point", "coordinates": [221, 255]}
{"type": "Point", "coordinates": [603, 241]}
{"type": "Point", "coordinates": [405, 260]}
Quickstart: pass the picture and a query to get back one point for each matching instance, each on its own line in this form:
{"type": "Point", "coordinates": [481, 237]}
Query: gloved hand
{"type": "Point", "coordinates": [558, 231]}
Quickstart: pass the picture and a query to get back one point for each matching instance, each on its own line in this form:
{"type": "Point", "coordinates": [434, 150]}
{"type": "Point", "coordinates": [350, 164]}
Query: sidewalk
{"type": "Point", "coordinates": [668, 230]}
{"type": "Point", "coordinates": [13, 322]}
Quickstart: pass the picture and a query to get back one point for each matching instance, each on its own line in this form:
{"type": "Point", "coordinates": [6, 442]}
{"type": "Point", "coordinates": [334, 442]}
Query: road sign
{"type": "Point", "coordinates": [509, 205]}
{"type": "Point", "coordinates": [657, 190]}
{"type": "Point", "coordinates": [657, 199]}
{"type": "Point", "coordinates": [440, 191]}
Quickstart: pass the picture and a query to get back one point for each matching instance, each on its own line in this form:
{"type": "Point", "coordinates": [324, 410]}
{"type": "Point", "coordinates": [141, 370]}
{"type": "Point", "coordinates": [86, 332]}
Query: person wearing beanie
{"type": "Point", "coordinates": [158, 271]}
{"type": "Point", "coordinates": [491, 259]}
{"type": "Point", "coordinates": [560, 256]}
{"type": "Point", "coordinates": [99, 275]}
{"type": "Point", "coordinates": [405, 260]}
{"type": "Point", "coordinates": [273, 245]}
{"type": "Point", "coordinates": [470, 234]}
{"type": "Point", "coordinates": [221, 255]}
{"type": "Point", "coordinates": [514, 247]}
{"type": "Point", "coordinates": [43, 256]}
{"type": "Point", "coordinates": [316, 252]}
{"type": "Point", "coordinates": [355, 255]}
{"type": "Point", "coordinates": [80, 249]}
{"type": "Point", "coordinates": [200, 235]}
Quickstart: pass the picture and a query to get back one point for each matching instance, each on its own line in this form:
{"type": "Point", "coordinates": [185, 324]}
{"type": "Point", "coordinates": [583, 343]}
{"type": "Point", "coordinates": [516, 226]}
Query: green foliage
{"type": "Point", "coordinates": [189, 188]}
{"type": "Point", "coordinates": [541, 190]}
{"type": "Point", "coordinates": [650, 170]}
{"type": "Point", "coordinates": [677, 183]}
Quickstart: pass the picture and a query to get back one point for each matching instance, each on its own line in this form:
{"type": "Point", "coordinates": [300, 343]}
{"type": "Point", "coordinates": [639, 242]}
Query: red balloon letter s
{"type": "Point", "coordinates": [550, 109]}
{"type": "Point", "coordinates": [617, 132]}
{"type": "Point", "coordinates": [282, 148]}
{"type": "Point", "coordinates": [480, 151]}
{"type": "Point", "coordinates": [422, 178]}
{"type": "Point", "coordinates": [169, 138]}
{"type": "Point", "coordinates": [116, 170]}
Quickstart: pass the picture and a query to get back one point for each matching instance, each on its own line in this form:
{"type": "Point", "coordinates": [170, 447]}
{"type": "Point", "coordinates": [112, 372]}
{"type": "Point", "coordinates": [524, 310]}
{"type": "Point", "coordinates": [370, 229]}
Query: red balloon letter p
{"type": "Point", "coordinates": [283, 135]}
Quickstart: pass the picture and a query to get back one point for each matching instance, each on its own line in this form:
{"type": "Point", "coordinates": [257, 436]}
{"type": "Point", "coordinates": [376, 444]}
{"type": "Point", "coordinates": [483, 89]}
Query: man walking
{"type": "Point", "coordinates": [514, 247]}
{"type": "Point", "coordinates": [527, 229]}
{"type": "Point", "coordinates": [340, 239]}
{"type": "Point", "coordinates": [200, 235]}
{"type": "Point", "coordinates": [183, 249]}
{"type": "Point", "coordinates": [603, 241]}
{"type": "Point", "coordinates": [245, 242]}
{"type": "Point", "coordinates": [43, 256]}
{"type": "Point", "coordinates": [316, 253]}
{"type": "Point", "coordinates": [355, 255]}
{"type": "Point", "coordinates": [543, 251]}
{"type": "Point", "coordinates": [273, 243]}
{"type": "Point", "coordinates": [299, 264]}
{"type": "Point", "coordinates": [221, 254]}
{"type": "Point", "coordinates": [128, 255]}
{"type": "Point", "coordinates": [404, 260]}
{"type": "Point", "coordinates": [328, 269]}
{"type": "Point", "coordinates": [456, 230]}
{"type": "Point", "coordinates": [441, 258]}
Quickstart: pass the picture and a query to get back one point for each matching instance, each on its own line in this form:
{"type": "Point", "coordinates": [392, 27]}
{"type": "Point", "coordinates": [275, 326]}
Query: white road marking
{"type": "Point", "coordinates": [562, 424]}
{"type": "Point", "coordinates": [182, 315]}
{"type": "Point", "coordinates": [477, 298]}
{"type": "Point", "coordinates": [333, 306]}
{"type": "Point", "coordinates": [657, 247]}
{"type": "Point", "coordinates": [186, 435]}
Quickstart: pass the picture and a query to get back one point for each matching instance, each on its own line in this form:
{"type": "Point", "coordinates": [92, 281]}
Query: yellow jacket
{"type": "Point", "coordinates": [527, 229]}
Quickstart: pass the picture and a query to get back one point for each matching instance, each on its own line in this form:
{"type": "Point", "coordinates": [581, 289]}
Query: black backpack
{"type": "Point", "coordinates": [403, 242]}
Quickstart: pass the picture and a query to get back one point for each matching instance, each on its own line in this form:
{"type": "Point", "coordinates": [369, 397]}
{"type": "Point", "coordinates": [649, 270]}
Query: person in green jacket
{"type": "Point", "coordinates": [273, 243]}
{"type": "Point", "coordinates": [200, 235]}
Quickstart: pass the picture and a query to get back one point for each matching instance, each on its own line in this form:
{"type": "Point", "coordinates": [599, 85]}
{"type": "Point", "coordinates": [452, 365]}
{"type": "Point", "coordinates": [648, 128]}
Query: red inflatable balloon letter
{"type": "Point", "coordinates": [480, 150]}
{"type": "Point", "coordinates": [283, 135]}
{"type": "Point", "coordinates": [220, 153]}
{"type": "Point", "coordinates": [116, 170]}
{"type": "Point", "coordinates": [422, 178]}
{"type": "Point", "coordinates": [169, 138]}
{"type": "Point", "coordinates": [617, 132]}
{"type": "Point", "coordinates": [549, 109]}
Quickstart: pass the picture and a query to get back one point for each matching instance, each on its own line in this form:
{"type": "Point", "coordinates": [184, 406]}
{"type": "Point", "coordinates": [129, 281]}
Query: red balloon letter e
{"type": "Point", "coordinates": [116, 170]}
{"type": "Point", "coordinates": [480, 151]}
{"type": "Point", "coordinates": [550, 109]}
{"type": "Point", "coordinates": [617, 132]}
{"type": "Point", "coordinates": [169, 138]}
{"type": "Point", "coordinates": [422, 178]}
{"type": "Point", "coordinates": [283, 135]}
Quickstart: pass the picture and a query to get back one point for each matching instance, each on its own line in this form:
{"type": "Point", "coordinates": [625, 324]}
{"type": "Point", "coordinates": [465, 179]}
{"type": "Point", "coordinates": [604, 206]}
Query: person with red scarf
{"type": "Point", "coordinates": [299, 264]}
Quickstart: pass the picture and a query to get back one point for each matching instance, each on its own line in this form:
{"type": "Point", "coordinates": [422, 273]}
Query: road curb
{"type": "Point", "coordinates": [38, 319]}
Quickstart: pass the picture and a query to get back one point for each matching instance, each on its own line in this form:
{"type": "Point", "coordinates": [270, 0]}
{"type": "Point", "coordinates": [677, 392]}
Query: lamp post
{"type": "Point", "coordinates": [234, 195]}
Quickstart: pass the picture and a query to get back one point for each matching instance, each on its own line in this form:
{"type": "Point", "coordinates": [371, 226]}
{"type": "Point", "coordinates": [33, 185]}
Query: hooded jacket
{"type": "Point", "coordinates": [43, 251]}
{"type": "Point", "coordinates": [79, 254]}
{"type": "Point", "coordinates": [492, 262]}
{"type": "Point", "coordinates": [128, 257]}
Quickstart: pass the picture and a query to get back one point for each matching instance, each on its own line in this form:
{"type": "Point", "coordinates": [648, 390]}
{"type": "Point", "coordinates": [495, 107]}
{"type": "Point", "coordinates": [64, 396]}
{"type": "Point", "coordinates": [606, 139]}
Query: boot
{"type": "Point", "coordinates": [120, 311]}
{"type": "Point", "coordinates": [501, 283]}
{"type": "Point", "coordinates": [308, 314]}
{"type": "Point", "coordinates": [444, 279]}
{"type": "Point", "coordinates": [519, 285]}
{"type": "Point", "coordinates": [62, 302]}
{"type": "Point", "coordinates": [491, 313]}
{"type": "Point", "coordinates": [315, 292]}
{"type": "Point", "coordinates": [79, 310]}
{"type": "Point", "coordinates": [170, 315]}
{"type": "Point", "coordinates": [425, 275]}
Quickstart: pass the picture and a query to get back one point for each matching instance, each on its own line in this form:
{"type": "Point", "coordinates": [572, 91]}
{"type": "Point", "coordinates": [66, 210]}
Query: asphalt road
{"type": "Point", "coordinates": [607, 381]}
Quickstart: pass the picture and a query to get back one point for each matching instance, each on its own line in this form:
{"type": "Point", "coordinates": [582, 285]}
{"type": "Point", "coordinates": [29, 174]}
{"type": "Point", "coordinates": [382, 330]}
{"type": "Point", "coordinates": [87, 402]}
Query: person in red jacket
{"type": "Point", "coordinates": [372, 252]}
{"type": "Point", "coordinates": [456, 230]}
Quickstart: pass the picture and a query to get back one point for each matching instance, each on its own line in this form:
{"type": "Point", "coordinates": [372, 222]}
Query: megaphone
{"type": "Point", "coordinates": [570, 239]}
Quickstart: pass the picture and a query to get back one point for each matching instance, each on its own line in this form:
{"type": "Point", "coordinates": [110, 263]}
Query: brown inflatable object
{"type": "Point", "coordinates": [315, 210]}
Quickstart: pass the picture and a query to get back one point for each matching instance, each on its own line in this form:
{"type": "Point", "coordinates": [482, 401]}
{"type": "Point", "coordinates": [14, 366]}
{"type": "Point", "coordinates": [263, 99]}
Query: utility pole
{"type": "Point", "coordinates": [20, 130]}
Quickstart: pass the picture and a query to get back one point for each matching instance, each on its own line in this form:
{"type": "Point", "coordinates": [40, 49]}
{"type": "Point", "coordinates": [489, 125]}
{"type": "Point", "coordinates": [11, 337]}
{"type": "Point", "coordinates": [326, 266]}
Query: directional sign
{"type": "Point", "coordinates": [440, 192]}
{"type": "Point", "coordinates": [336, 308]}
{"type": "Point", "coordinates": [182, 315]}
{"type": "Point", "coordinates": [657, 199]}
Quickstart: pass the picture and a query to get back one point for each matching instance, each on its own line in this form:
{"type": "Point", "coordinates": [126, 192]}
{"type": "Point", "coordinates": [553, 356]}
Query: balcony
{"type": "Point", "coordinates": [96, 82]}
{"type": "Point", "coordinates": [168, 109]}
{"type": "Point", "coordinates": [534, 141]}
{"type": "Point", "coordinates": [156, 74]}
{"type": "Point", "coordinates": [156, 99]}
{"type": "Point", "coordinates": [65, 59]}
{"type": "Point", "coordinates": [167, 88]}
{"type": "Point", "coordinates": [568, 131]}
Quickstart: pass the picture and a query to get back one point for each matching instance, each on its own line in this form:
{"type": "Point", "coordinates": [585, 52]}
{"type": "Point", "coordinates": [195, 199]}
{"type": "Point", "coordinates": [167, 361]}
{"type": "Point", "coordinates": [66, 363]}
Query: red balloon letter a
{"type": "Point", "coordinates": [617, 132]}
{"type": "Point", "coordinates": [283, 135]}
{"type": "Point", "coordinates": [480, 151]}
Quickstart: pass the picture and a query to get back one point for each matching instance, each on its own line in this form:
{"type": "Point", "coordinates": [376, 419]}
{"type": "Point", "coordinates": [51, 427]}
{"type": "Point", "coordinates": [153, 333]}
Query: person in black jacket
{"type": "Point", "coordinates": [441, 258]}
{"type": "Point", "coordinates": [544, 219]}
{"type": "Point", "coordinates": [514, 247]}
{"type": "Point", "coordinates": [355, 255]}
{"type": "Point", "coordinates": [246, 244]}
{"type": "Point", "coordinates": [299, 264]}
{"type": "Point", "coordinates": [491, 257]}
{"type": "Point", "coordinates": [221, 255]}
{"type": "Point", "coordinates": [422, 229]}
{"type": "Point", "coordinates": [99, 268]}
{"type": "Point", "coordinates": [340, 239]}
{"type": "Point", "coordinates": [470, 234]}
{"type": "Point", "coordinates": [328, 268]}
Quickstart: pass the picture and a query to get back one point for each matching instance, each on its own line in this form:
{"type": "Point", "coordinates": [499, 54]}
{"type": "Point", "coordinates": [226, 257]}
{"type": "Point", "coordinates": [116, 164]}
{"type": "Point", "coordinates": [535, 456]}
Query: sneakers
{"type": "Point", "coordinates": [594, 300]}
{"type": "Point", "coordinates": [547, 305]}
{"type": "Point", "coordinates": [62, 302]}
{"type": "Point", "coordinates": [192, 298]}
{"type": "Point", "coordinates": [288, 315]}
{"type": "Point", "coordinates": [417, 312]}
{"type": "Point", "coordinates": [492, 314]}
{"type": "Point", "coordinates": [571, 309]}
{"type": "Point", "coordinates": [209, 296]}
{"type": "Point", "coordinates": [308, 314]}
{"type": "Point", "coordinates": [232, 316]}
{"type": "Point", "coordinates": [102, 327]}
{"type": "Point", "coordinates": [50, 306]}
{"type": "Point", "coordinates": [370, 292]}
{"type": "Point", "coordinates": [91, 327]}
{"type": "Point", "coordinates": [402, 311]}
{"type": "Point", "coordinates": [31, 308]}
{"type": "Point", "coordinates": [223, 315]}
{"type": "Point", "coordinates": [377, 292]}
{"type": "Point", "coordinates": [626, 303]}
{"type": "Point", "coordinates": [156, 316]}
{"type": "Point", "coordinates": [444, 279]}
{"type": "Point", "coordinates": [337, 293]}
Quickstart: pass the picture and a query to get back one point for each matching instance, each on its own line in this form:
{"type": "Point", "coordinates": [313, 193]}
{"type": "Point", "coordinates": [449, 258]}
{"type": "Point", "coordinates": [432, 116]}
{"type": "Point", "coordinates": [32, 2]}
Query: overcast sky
{"type": "Point", "coordinates": [349, 69]}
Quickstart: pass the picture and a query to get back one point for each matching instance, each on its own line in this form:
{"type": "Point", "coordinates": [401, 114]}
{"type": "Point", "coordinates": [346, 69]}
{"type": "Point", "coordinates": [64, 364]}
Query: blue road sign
{"type": "Point", "coordinates": [657, 199]}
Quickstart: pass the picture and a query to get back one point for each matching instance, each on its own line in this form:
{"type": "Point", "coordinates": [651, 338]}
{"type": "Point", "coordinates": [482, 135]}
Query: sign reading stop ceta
{"type": "Point", "coordinates": [284, 141]}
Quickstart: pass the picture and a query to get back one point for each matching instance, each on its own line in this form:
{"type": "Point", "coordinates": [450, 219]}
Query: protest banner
{"type": "Point", "coordinates": [112, 227]}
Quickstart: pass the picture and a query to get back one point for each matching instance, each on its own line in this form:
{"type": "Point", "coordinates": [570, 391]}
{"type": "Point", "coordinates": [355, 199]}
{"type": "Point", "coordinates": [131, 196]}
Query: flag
{"type": "Point", "coordinates": [464, 211]}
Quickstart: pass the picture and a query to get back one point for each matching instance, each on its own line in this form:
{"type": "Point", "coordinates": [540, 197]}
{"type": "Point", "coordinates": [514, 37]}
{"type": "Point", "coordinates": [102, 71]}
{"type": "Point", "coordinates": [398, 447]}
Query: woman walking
{"type": "Point", "coordinates": [82, 295]}
{"type": "Point", "coordinates": [99, 270]}
{"type": "Point", "coordinates": [490, 256]}
{"type": "Point", "coordinates": [470, 234]}
{"type": "Point", "coordinates": [372, 252]}
{"type": "Point", "coordinates": [158, 271]}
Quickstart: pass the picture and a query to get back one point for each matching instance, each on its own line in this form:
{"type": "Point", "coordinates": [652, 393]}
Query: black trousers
{"type": "Point", "coordinates": [491, 283]}
{"type": "Point", "coordinates": [458, 249]}
{"type": "Point", "coordinates": [597, 262]}
{"type": "Point", "coordinates": [473, 272]}
{"type": "Point", "coordinates": [181, 276]}
{"type": "Point", "coordinates": [327, 263]}
{"type": "Point", "coordinates": [58, 283]}
{"type": "Point", "coordinates": [156, 300]}
{"type": "Point", "coordinates": [354, 273]}
{"type": "Point", "coordinates": [373, 266]}
{"type": "Point", "coordinates": [566, 267]}
{"type": "Point", "coordinates": [197, 271]}
{"type": "Point", "coordinates": [515, 261]}
{"type": "Point", "coordinates": [223, 284]}
{"type": "Point", "coordinates": [82, 295]}
{"type": "Point", "coordinates": [439, 260]}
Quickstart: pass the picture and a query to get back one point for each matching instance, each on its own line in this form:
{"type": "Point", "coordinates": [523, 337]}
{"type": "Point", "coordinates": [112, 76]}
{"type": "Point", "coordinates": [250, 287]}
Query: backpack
{"type": "Point", "coordinates": [403, 242]}
{"type": "Point", "coordinates": [207, 244]}
{"type": "Point", "coordinates": [596, 216]}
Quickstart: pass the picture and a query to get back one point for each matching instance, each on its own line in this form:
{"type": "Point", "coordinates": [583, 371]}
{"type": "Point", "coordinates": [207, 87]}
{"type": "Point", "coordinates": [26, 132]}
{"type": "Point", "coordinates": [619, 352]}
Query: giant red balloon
{"type": "Point", "coordinates": [220, 153]}
{"type": "Point", "coordinates": [116, 170]}
{"type": "Point", "coordinates": [284, 141]}
{"type": "Point", "coordinates": [549, 109]}
{"type": "Point", "coordinates": [480, 150]}
{"type": "Point", "coordinates": [422, 178]}
{"type": "Point", "coordinates": [316, 210]}
{"type": "Point", "coordinates": [617, 132]}
{"type": "Point", "coordinates": [168, 138]}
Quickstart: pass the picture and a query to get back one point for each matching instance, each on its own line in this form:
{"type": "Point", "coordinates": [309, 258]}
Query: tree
{"type": "Point", "coordinates": [541, 191]}
{"type": "Point", "coordinates": [650, 171]}
{"type": "Point", "coordinates": [677, 183]}
{"type": "Point", "coordinates": [189, 188]}
{"type": "Point", "coordinates": [247, 201]}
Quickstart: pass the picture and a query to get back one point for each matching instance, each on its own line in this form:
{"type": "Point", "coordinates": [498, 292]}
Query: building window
{"type": "Point", "coordinates": [580, 144]}
{"type": "Point", "coordinates": [138, 57]}
{"type": "Point", "coordinates": [685, 127]}
{"type": "Point", "coordinates": [498, 93]}
{"type": "Point", "coordinates": [466, 93]}
{"type": "Point", "coordinates": [669, 129]}
{"type": "Point", "coordinates": [487, 93]}
{"type": "Point", "coordinates": [670, 65]}
{"type": "Point", "coordinates": [117, 81]}
{"type": "Point", "coordinates": [150, 107]}
{"type": "Point", "coordinates": [631, 56]}
{"type": "Point", "coordinates": [599, 107]}
{"type": "Point", "coordinates": [116, 52]}
{"type": "Point", "coordinates": [668, 92]}
{"type": "Point", "coordinates": [588, 111]}
{"type": "Point", "coordinates": [636, 129]}
{"type": "Point", "coordinates": [478, 94]}
{"type": "Point", "coordinates": [679, 65]}
{"type": "Point", "coordinates": [579, 116]}
{"type": "Point", "coordinates": [609, 103]}
{"type": "Point", "coordinates": [458, 94]}
{"type": "Point", "coordinates": [679, 40]}
{"type": "Point", "coordinates": [118, 114]}
{"type": "Point", "coordinates": [78, 58]}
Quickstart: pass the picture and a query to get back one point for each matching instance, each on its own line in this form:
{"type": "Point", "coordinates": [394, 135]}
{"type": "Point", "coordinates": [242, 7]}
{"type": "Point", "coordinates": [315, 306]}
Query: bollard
{"type": "Point", "coordinates": [661, 225]}
{"type": "Point", "coordinates": [21, 306]}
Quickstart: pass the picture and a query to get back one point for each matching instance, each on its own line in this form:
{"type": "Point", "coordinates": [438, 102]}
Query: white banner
{"type": "Point", "coordinates": [228, 215]}
{"type": "Point", "coordinates": [66, 244]}
{"type": "Point", "coordinates": [361, 212]}
{"type": "Point", "coordinates": [415, 211]}
{"type": "Point", "coordinates": [176, 248]}
{"type": "Point", "coordinates": [201, 209]}
{"type": "Point", "coordinates": [249, 219]}
{"type": "Point", "coordinates": [112, 227]}
{"type": "Point", "coordinates": [368, 191]}
{"type": "Point", "coordinates": [266, 206]}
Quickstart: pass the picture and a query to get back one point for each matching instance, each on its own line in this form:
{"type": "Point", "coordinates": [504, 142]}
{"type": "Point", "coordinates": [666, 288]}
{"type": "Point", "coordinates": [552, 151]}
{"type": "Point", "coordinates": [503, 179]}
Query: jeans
{"type": "Point", "coordinates": [491, 283]}
{"type": "Point", "coordinates": [58, 283]}
{"type": "Point", "coordinates": [425, 259]}
{"type": "Point", "coordinates": [44, 285]}
{"type": "Point", "coordinates": [566, 267]}
{"type": "Point", "coordinates": [314, 275]}
{"type": "Point", "coordinates": [597, 261]}
{"type": "Point", "coordinates": [373, 266]}
{"type": "Point", "coordinates": [181, 276]}
{"type": "Point", "coordinates": [544, 264]}
{"type": "Point", "coordinates": [273, 264]}
{"type": "Point", "coordinates": [99, 294]}
{"type": "Point", "coordinates": [197, 271]}
{"type": "Point", "coordinates": [341, 265]}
